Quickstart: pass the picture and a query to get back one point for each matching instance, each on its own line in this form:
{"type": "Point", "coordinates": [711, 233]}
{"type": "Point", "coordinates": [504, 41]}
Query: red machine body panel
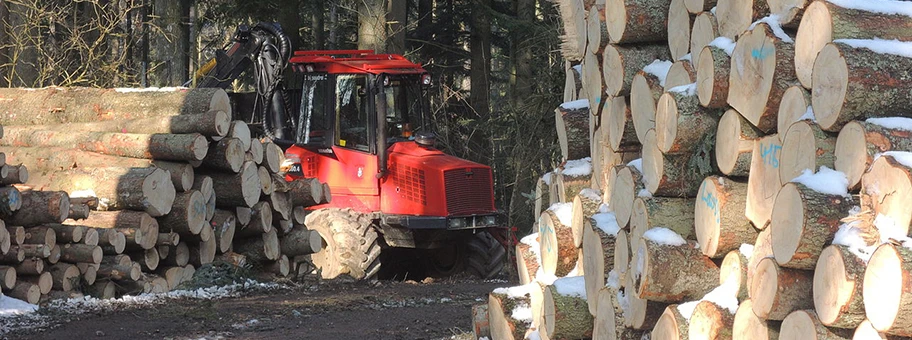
{"type": "Point", "coordinates": [354, 61]}
{"type": "Point", "coordinates": [350, 174]}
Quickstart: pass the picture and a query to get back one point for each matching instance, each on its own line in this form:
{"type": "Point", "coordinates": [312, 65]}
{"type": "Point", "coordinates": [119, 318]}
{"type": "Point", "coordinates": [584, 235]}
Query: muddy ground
{"type": "Point", "coordinates": [314, 309]}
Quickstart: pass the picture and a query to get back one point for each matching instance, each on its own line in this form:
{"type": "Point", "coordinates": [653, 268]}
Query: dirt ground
{"type": "Point", "coordinates": [315, 309]}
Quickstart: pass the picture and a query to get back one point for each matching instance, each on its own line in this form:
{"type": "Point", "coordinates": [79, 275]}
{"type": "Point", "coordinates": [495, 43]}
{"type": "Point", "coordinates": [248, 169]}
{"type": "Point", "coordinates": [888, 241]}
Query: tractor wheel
{"type": "Point", "coordinates": [486, 256]}
{"type": "Point", "coordinates": [350, 243]}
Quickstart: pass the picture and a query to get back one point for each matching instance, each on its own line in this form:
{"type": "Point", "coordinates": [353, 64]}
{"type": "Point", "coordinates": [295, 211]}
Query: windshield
{"type": "Point", "coordinates": [404, 109]}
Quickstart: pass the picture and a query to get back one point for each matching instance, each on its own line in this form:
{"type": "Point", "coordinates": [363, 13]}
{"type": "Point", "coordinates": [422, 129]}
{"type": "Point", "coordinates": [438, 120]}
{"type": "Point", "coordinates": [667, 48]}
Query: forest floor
{"type": "Point", "coordinates": [307, 309]}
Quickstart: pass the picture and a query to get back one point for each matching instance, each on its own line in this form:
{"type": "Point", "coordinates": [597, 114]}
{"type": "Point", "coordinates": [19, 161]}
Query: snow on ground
{"type": "Point", "coordinates": [747, 250]}
{"type": "Point", "coordinates": [10, 306]}
{"type": "Point", "coordinates": [687, 90]}
{"type": "Point", "coordinates": [607, 222]}
{"type": "Point", "coordinates": [900, 123]}
{"type": "Point", "coordinates": [578, 167]}
{"type": "Point", "coordinates": [576, 104]}
{"type": "Point", "coordinates": [773, 22]}
{"type": "Point", "coordinates": [895, 47]}
{"type": "Point", "coordinates": [877, 6]}
{"type": "Point", "coordinates": [658, 68]}
{"type": "Point", "coordinates": [571, 286]}
{"type": "Point", "coordinates": [664, 236]}
{"type": "Point", "coordinates": [564, 212]}
{"type": "Point", "coordinates": [725, 44]}
{"type": "Point", "coordinates": [826, 180]}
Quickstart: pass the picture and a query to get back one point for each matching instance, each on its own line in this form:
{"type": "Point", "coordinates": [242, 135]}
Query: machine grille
{"type": "Point", "coordinates": [410, 183]}
{"type": "Point", "coordinates": [309, 167]}
{"type": "Point", "coordinates": [468, 191]}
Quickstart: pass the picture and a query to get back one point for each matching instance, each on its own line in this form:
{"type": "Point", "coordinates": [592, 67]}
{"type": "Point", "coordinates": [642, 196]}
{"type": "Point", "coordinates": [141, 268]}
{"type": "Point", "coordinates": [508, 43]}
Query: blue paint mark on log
{"type": "Point", "coordinates": [762, 53]}
{"type": "Point", "coordinates": [770, 154]}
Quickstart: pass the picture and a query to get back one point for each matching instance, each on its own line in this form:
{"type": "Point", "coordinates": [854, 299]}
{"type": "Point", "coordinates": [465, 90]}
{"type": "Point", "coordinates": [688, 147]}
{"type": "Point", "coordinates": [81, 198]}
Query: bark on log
{"type": "Point", "coordinates": [669, 212]}
{"type": "Point", "coordinates": [17, 234]}
{"type": "Point", "coordinates": [558, 253]}
{"type": "Point", "coordinates": [67, 233]}
{"type": "Point", "coordinates": [204, 185]}
{"type": "Point", "coordinates": [301, 241]}
{"type": "Point", "coordinates": [281, 205]}
{"type": "Point", "coordinates": [704, 31]}
{"type": "Point", "coordinates": [139, 227]}
{"type": "Point", "coordinates": [805, 146]}
{"type": "Point", "coordinates": [697, 6]}
{"type": "Point", "coordinates": [777, 291]}
{"type": "Point", "coordinates": [240, 189]}
{"type": "Point", "coordinates": [148, 259]}
{"type": "Point", "coordinates": [188, 214]}
{"type": "Point", "coordinates": [711, 321]}
{"type": "Point", "coordinates": [843, 78]}
{"type": "Point", "coordinates": [5, 241]}
{"type": "Point", "coordinates": [260, 221]}
{"type": "Point", "coordinates": [65, 275]}
{"type": "Point", "coordinates": [763, 184]}
{"type": "Point", "coordinates": [694, 274]}
{"type": "Point", "coordinates": [259, 249]}
{"type": "Point", "coordinates": [224, 223]}
{"type": "Point", "coordinates": [44, 281]}
{"type": "Point", "coordinates": [682, 125]}
{"type": "Point", "coordinates": [80, 253]}
{"type": "Point", "coordinates": [304, 192]}
{"type": "Point", "coordinates": [89, 272]}
{"type": "Point", "coordinates": [26, 291]}
{"type": "Point", "coordinates": [83, 104]}
{"type": "Point", "coordinates": [837, 287]}
{"type": "Point", "coordinates": [10, 200]}
{"type": "Point", "coordinates": [78, 211]}
{"type": "Point", "coordinates": [112, 241]}
{"type": "Point", "coordinates": [681, 73]}
{"type": "Point", "coordinates": [33, 250]}
{"type": "Point", "coordinates": [803, 324]}
{"type": "Point", "coordinates": [824, 22]}
{"type": "Point", "coordinates": [572, 126]}
{"type": "Point", "coordinates": [14, 174]}
{"type": "Point", "coordinates": [804, 221]}
{"type": "Point", "coordinates": [129, 272]}
{"type": "Point", "coordinates": [184, 147]}
{"type": "Point", "coordinates": [676, 175]}
{"type": "Point", "coordinates": [204, 252]}
{"type": "Point", "coordinates": [678, 26]}
{"type": "Point", "coordinates": [719, 216]}
{"type": "Point", "coordinates": [178, 255]}
{"type": "Point", "coordinates": [566, 315]}
{"type": "Point", "coordinates": [167, 239]}
{"type": "Point", "coordinates": [631, 21]}
{"type": "Point", "coordinates": [41, 235]}
{"type": "Point", "coordinates": [143, 189]}
{"type": "Point", "coordinates": [748, 326]}
{"type": "Point", "coordinates": [226, 154]}
{"type": "Point", "coordinates": [762, 69]}
{"type": "Point", "coordinates": [40, 207]}
{"type": "Point", "coordinates": [735, 140]}
{"type": "Point", "coordinates": [15, 255]}
{"type": "Point", "coordinates": [641, 314]}
{"type": "Point", "coordinates": [527, 259]}
{"type": "Point", "coordinates": [30, 266]}
{"type": "Point", "coordinates": [500, 315]}
{"type": "Point", "coordinates": [91, 202]}
{"type": "Point", "coordinates": [7, 277]}
{"type": "Point", "coordinates": [735, 16]}
{"type": "Point", "coordinates": [645, 91]}
{"type": "Point", "coordinates": [627, 187]}
{"type": "Point", "coordinates": [859, 142]}
{"type": "Point", "coordinates": [622, 62]}
{"type": "Point", "coordinates": [598, 262]}
{"type": "Point", "coordinates": [886, 187]}
{"type": "Point", "coordinates": [480, 324]}
{"type": "Point", "coordinates": [887, 301]}
{"type": "Point", "coordinates": [672, 325]}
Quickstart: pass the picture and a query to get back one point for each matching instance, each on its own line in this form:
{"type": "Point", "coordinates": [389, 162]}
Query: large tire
{"type": "Point", "coordinates": [350, 244]}
{"type": "Point", "coordinates": [486, 256]}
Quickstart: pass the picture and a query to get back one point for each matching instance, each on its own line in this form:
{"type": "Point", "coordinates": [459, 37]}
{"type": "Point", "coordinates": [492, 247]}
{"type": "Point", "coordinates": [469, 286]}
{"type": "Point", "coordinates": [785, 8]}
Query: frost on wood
{"type": "Point", "coordinates": [877, 6]}
{"type": "Point", "coordinates": [826, 180]}
{"type": "Point", "coordinates": [725, 44]}
{"type": "Point", "coordinates": [578, 167]}
{"type": "Point", "coordinates": [895, 47]}
{"type": "Point", "coordinates": [658, 68]}
{"type": "Point", "coordinates": [564, 212]}
{"type": "Point", "coordinates": [664, 236]}
{"type": "Point", "coordinates": [571, 286]}
{"type": "Point", "coordinates": [899, 123]}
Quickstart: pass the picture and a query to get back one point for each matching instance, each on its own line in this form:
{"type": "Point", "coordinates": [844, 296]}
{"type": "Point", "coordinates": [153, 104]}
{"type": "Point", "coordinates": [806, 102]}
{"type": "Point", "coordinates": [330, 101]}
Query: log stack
{"type": "Point", "coordinates": [795, 183]}
{"type": "Point", "coordinates": [107, 198]}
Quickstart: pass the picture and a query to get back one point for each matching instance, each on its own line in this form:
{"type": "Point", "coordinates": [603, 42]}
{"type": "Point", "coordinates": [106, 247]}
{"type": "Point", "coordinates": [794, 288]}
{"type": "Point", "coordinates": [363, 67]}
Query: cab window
{"type": "Point", "coordinates": [352, 113]}
{"type": "Point", "coordinates": [315, 123]}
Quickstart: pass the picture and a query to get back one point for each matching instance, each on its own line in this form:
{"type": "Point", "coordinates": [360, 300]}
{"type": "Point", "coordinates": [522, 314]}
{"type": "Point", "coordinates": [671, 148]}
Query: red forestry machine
{"type": "Point", "coordinates": [359, 122]}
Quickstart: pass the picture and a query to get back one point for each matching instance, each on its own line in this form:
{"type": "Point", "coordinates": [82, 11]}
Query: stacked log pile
{"type": "Point", "coordinates": [131, 191]}
{"type": "Point", "coordinates": [756, 160]}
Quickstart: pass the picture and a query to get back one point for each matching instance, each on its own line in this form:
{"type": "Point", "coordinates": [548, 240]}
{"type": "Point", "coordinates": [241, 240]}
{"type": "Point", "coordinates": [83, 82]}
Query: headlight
{"type": "Point", "coordinates": [490, 220]}
{"type": "Point", "coordinates": [457, 223]}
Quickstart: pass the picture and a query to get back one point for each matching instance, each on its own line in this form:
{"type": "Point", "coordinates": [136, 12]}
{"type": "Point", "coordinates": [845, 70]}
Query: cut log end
{"type": "Point", "coordinates": [851, 152]}
{"type": "Point", "coordinates": [830, 78]}
{"type": "Point", "coordinates": [814, 31]}
{"type": "Point", "coordinates": [749, 326]}
{"type": "Point", "coordinates": [883, 288]}
{"type": "Point", "coordinates": [837, 289]}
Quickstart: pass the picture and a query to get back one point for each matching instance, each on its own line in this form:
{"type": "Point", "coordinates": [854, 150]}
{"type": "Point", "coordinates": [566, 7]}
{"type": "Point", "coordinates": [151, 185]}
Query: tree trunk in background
{"type": "Point", "coordinates": [22, 53]}
{"type": "Point", "coordinates": [169, 47]}
{"type": "Point", "coordinates": [4, 40]}
{"type": "Point", "coordinates": [317, 24]}
{"type": "Point", "coordinates": [372, 25]}
{"type": "Point", "coordinates": [522, 51]}
{"type": "Point", "coordinates": [333, 39]}
{"type": "Point", "coordinates": [396, 17]}
{"type": "Point", "coordinates": [289, 17]}
{"type": "Point", "coordinates": [480, 70]}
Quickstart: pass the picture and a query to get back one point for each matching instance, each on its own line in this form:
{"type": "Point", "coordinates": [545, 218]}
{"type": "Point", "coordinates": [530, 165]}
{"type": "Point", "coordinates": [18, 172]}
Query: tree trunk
{"type": "Point", "coordinates": [584, 206]}
{"type": "Point", "coordinates": [672, 325]}
{"type": "Point", "coordinates": [30, 266]}
{"type": "Point", "coordinates": [777, 291]}
{"type": "Point", "coordinates": [83, 104]}
{"type": "Point", "coordinates": [844, 77]}
{"type": "Point", "coordinates": [824, 22]}
{"type": "Point", "coordinates": [734, 267]}
{"type": "Point", "coordinates": [31, 250]}
{"type": "Point", "coordinates": [622, 62]}
{"type": "Point", "coordinates": [719, 216]}
{"type": "Point", "coordinates": [711, 321]}
{"type": "Point", "coordinates": [174, 275]}
{"type": "Point", "coordinates": [804, 221]}
{"type": "Point", "coordinates": [301, 241]}
{"type": "Point", "coordinates": [805, 146]}
{"type": "Point", "coordinates": [645, 90]}
{"type": "Point", "coordinates": [178, 255]}
{"type": "Point", "coordinates": [240, 189]}
{"type": "Point", "coordinates": [628, 185]}
{"type": "Point", "coordinates": [259, 249]}
{"type": "Point", "coordinates": [184, 147]}
{"type": "Point", "coordinates": [789, 12]}
{"type": "Point", "coordinates": [305, 192]}
{"type": "Point", "coordinates": [78, 211]}
{"type": "Point", "coordinates": [681, 73]}
{"type": "Point", "coordinates": [631, 21]}
{"type": "Point", "coordinates": [479, 73]}
{"type": "Point", "coordinates": [573, 40]}
{"type": "Point", "coordinates": [692, 276]}
{"type": "Point", "coordinates": [735, 140]}
{"type": "Point", "coordinates": [837, 287]}
{"type": "Point", "coordinates": [169, 66]}
{"type": "Point", "coordinates": [669, 212]}
{"type": "Point", "coordinates": [281, 205]}
{"type": "Point", "coordinates": [677, 175]}
{"type": "Point", "coordinates": [8, 277]}
{"type": "Point", "coordinates": [204, 252]}
{"type": "Point", "coordinates": [39, 207]}
{"type": "Point", "coordinates": [26, 291]}
{"type": "Point", "coordinates": [752, 327]}
{"type": "Point", "coordinates": [704, 31]}
{"type": "Point", "coordinates": [566, 315]}
{"type": "Point", "coordinates": [17, 234]}
{"type": "Point", "coordinates": [558, 253]}
{"type": "Point", "coordinates": [641, 314]}
{"type": "Point", "coordinates": [679, 23]}
{"type": "Point", "coordinates": [859, 142]}
{"type": "Point", "coordinates": [144, 189]}
{"type": "Point", "coordinates": [598, 262]}
{"type": "Point", "coordinates": [735, 16]}
{"type": "Point", "coordinates": [260, 222]}
{"type": "Point", "coordinates": [569, 185]}
{"type": "Point", "coordinates": [803, 324]}
{"type": "Point", "coordinates": [501, 309]}
{"type": "Point", "coordinates": [65, 275]}
{"type": "Point", "coordinates": [112, 241]}
{"type": "Point", "coordinates": [886, 188]}
{"type": "Point", "coordinates": [763, 184]}
{"type": "Point", "coordinates": [148, 259]}
{"type": "Point", "coordinates": [571, 125]}
{"type": "Point", "coordinates": [713, 73]}
{"type": "Point", "coordinates": [273, 157]}
{"type": "Point", "coordinates": [596, 31]}
{"type": "Point", "coordinates": [129, 272]}
{"type": "Point", "coordinates": [762, 69]}
{"type": "Point", "coordinates": [44, 281]}
{"type": "Point", "coordinates": [682, 124]}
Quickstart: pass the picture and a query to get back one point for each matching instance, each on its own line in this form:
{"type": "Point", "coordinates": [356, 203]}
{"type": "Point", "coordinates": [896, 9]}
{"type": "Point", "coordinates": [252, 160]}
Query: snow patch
{"type": "Point", "coordinates": [713, 10]}
{"type": "Point", "coordinates": [850, 236]}
{"type": "Point", "coordinates": [576, 104]}
{"type": "Point", "coordinates": [578, 68]}
{"type": "Point", "coordinates": [513, 292]}
{"type": "Point", "coordinates": [895, 47]}
{"type": "Point", "coordinates": [571, 286]}
{"type": "Point", "coordinates": [603, 208]}
{"type": "Point", "coordinates": [607, 222]}
{"type": "Point", "coordinates": [687, 309]}
{"type": "Point", "coordinates": [687, 90]}
{"type": "Point", "coordinates": [591, 194]}
{"type": "Point", "coordinates": [747, 250]}
{"type": "Point", "coordinates": [10, 306]}
{"type": "Point", "coordinates": [890, 230]}
{"type": "Point", "coordinates": [664, 236]}
{"type": "Point", "coordinates": [808, 115]}
{"type": "Point", "coordinates": [877, 6]}
{"type": "Point", "coordinates": [725, 295]}
{"type": "Point", "coordinates": [898, 123]}
{"type": "Point", "coordinates": [826, 180]}
{"type": "Point", "coordinates": [547, 178]}
{"type": "Point", "coordinates": [578, 167]}
{"type": "Point", "coordinates": [623, 302]}
{"type": "Point", "coordinates": [658, 68]}
{"type": "Point", "coordinates": [522, 312]}
{"type": "Point", "coordinates": [614, 280]}
{"type": "Point", "coordinates": [564, 212]}
{"type": "Point", "coordinates": [687, 57]}
{"type": "Point", "coordinates": [773, 22]}
{"type": "Point", "coordinates": [724, 44]}
{"type": "Point", "coordinates": [904, 158]}
{"type": "Point", "coordinates": [637, 164]}
{"type": "Point", "coordinates": [149, 89]}
{"type": "Point", "coordinates": [83, 193]}
{"type": "Point", "coordinates": [644, 193]}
